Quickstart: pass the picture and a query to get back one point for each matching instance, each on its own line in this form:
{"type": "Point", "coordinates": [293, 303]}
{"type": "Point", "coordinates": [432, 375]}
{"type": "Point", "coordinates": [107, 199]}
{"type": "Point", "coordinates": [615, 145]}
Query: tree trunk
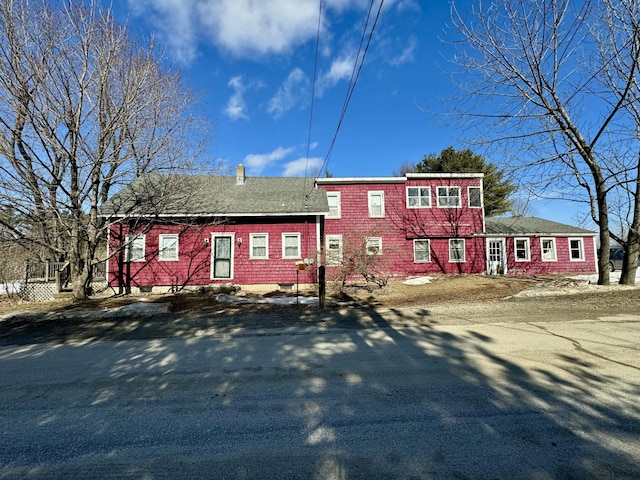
{"type": "Point", "coordinates": [632, 246]}
{"type": "Point", "coordinates": [630, 261]}
{"type": "Point", "coordinates": [605, 239]}
{"type": "Point", "coordinates": [80, 276]}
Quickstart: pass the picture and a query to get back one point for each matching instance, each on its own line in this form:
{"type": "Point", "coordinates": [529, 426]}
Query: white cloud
{"type": "Point", "coordinates": [256, 162]}
{"type": "Point", "coordinates": [409, 6]}
{"type": "Point", "coordinates": [406, 55]}
{"type": "Point", "coordinates": [236, 108]}
{"type": "Point", "coordinates": [341, 69]}
{"type": "Point", "coordinates": [293, 93]}
{"type": "Point", "coordinates": [303, 166]}
{"type": "Point", "coordinates": [174, 20]}
{"type": "Point", "coordinates": [245, 28]}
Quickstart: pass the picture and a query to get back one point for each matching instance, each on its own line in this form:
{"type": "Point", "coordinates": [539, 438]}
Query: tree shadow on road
{"type": "Point", "coordinates": [365, 398]}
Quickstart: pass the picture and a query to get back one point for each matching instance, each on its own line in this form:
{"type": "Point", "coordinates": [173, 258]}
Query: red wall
{"type": "Point", "coordinates": [397, 229]}
{"type": "Point", "coordinates": [401, 225]}
{"type": "Point", "coordinates": [194, 265]}
{"type": "Point", "coordinates": [563, 263]}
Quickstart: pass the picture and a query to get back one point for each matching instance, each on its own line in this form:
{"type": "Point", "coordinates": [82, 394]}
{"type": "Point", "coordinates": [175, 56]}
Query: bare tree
{"type": "Point", "coordinates": [84, 109]}
{"type": "Point", "coordinates": [556, 80]}
{"type": "Point", "coordinates": [360, 256]}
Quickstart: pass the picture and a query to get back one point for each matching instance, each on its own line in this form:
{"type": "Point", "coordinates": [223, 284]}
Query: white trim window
{"type": "Point", "coordinates": [374, 245]}
{"type": "Point", "coordinates": [334, 250]}
{"type": "Point", "coordinates": [291, 245]}
{"type": "Point", "coordinates": [418, 197]}
{"type": "Point", "coordinates": [456, 250]}
{"type": "Point", "coordinates": [548, 249]}
{"type": "Point", "coordinates": [259, 246]}
{"type": "Point", "coordinates": [474, 195]}
{"type": "Point", "coordinates": [421, 250]}
{"type": "Point", "coordinates": [521, 249]}
{"type": "Point", "coordinates": [449, 197]}
{"type": "Point", "coordinates": [376, 204]}
{"type": "Point", "coordinates": [134, 251]}
{"type": "Point", "coordinates": [576, 249]}
{"type": "Point", "coordinates": [335, 210]}
{"type": "Point", "coordinates": [168, 247]}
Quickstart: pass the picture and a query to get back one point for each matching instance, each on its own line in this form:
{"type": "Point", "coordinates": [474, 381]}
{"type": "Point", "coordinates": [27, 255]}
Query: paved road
{"type": "Point", "coordinates": [487, 401]}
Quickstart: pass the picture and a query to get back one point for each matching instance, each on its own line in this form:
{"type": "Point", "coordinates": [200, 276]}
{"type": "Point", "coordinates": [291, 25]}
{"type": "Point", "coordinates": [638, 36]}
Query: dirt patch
{"type": "Point", "coordinates": [445, 300]}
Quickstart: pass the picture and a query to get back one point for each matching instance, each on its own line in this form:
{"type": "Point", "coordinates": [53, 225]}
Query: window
{"type": "Point", "coordinates": [548, 247]}
{"type": "Point", "coordinates": [421, 252]}
{"type": "Point", "coordinates": [456, 250]}
{"type": "Point", "coordinates": [576, 249]}
{"type": "Point", "coordinates": [334, 204]}
{"type": "Point", "coordinates": [259, 246]}
{"type": "Point", "coordinates": [374, 246]}
{"type": "Point", "coordinates": [290, 245]}
{"type": "Point", "coordinates": [418, 197]}
{"type": "Point", "coordinates": [168, 245]}
{"type": "Point", "coordinates": [135, 248]}
{"type": "Point", "coordinates": [334, 250]}
{"type": "Point", "coordinates": [222, 257]}
{"type": "Point", "coordinates": [376, 204]}
{"type": "Point", "coordinates": [448, 197]}
{"type": "Point", "coordinates": [475, 197]}
{"type": "Point", "coordinates": [522, 249]}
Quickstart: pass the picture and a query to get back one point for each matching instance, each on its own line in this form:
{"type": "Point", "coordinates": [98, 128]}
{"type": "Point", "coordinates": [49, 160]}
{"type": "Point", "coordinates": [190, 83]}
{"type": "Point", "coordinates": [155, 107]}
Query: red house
{"type": "Point", "coordinates": [207, 230]}
{"type": "Point", "coordinates": [420, 223]}
{"type": "Point", "coordinates": [266, 232]}
{"type": "Point", "coordinates": [529, 245]}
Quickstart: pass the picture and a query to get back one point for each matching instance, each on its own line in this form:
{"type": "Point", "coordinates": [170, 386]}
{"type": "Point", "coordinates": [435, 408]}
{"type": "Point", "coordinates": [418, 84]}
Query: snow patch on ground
{"type": "Point", "coordinates": [141, 308]}
{"type": "Point", "coordinates": [578, 284]}
{"type": "Point", "coordinates": [224, 298]}
{"type": "Point", "coordinates": [417, 281]}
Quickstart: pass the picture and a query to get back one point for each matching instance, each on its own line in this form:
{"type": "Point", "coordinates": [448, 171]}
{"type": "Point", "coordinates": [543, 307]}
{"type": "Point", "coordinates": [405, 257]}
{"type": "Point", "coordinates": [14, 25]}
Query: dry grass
{"type": "Point", "coordinates": [441, 290]}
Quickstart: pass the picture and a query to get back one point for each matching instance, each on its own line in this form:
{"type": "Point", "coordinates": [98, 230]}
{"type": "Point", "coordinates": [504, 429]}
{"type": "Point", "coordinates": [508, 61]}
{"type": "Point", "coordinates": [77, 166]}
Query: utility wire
{"type": "Point", "coordinates": [313, 95]}
{"type": "Point", "coordinates": [355, 75]}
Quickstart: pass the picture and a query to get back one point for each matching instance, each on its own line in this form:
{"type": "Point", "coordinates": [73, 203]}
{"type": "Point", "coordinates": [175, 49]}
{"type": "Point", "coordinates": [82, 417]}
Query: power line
{"type": "Point", "coordinates": [355, 75]}
{"type": "Point", "coordinates": [313, 95]}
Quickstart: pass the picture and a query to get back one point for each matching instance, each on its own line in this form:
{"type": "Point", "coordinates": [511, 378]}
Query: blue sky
{"type": "Point", "coordinates": [253, 61]}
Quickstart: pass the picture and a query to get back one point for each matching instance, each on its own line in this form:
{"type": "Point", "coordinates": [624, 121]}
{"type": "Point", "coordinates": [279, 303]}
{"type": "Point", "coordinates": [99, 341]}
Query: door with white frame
{"type": "Point", "coordinates": [496, 264]}
{"type": "Point", "coordinates": [222, 256]}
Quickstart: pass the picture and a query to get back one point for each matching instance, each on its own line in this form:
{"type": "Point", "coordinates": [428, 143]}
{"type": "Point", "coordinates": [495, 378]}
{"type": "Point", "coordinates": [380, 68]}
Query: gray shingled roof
{"type": "Point", "coordinates": [530, 226]}
{"type": "Point", "coordinates": [216, 195]}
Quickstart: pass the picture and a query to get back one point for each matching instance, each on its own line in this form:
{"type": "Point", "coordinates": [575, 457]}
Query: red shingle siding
{"type": "Point", "coordinates": [401, 225]}
{"type": "Point", "coordinates": [397, 229]}
{"type": "Point", "coordinates": [561, 265]}
{"type": "Point", "coordinates": [195, 244]}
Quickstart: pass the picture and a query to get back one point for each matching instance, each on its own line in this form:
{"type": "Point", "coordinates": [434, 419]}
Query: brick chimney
{"type": "Point", "coordinates": [240, 176]}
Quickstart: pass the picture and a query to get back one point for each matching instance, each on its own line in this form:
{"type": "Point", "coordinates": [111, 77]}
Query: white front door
{"type": "Point", "coordinates": [496, 257]}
